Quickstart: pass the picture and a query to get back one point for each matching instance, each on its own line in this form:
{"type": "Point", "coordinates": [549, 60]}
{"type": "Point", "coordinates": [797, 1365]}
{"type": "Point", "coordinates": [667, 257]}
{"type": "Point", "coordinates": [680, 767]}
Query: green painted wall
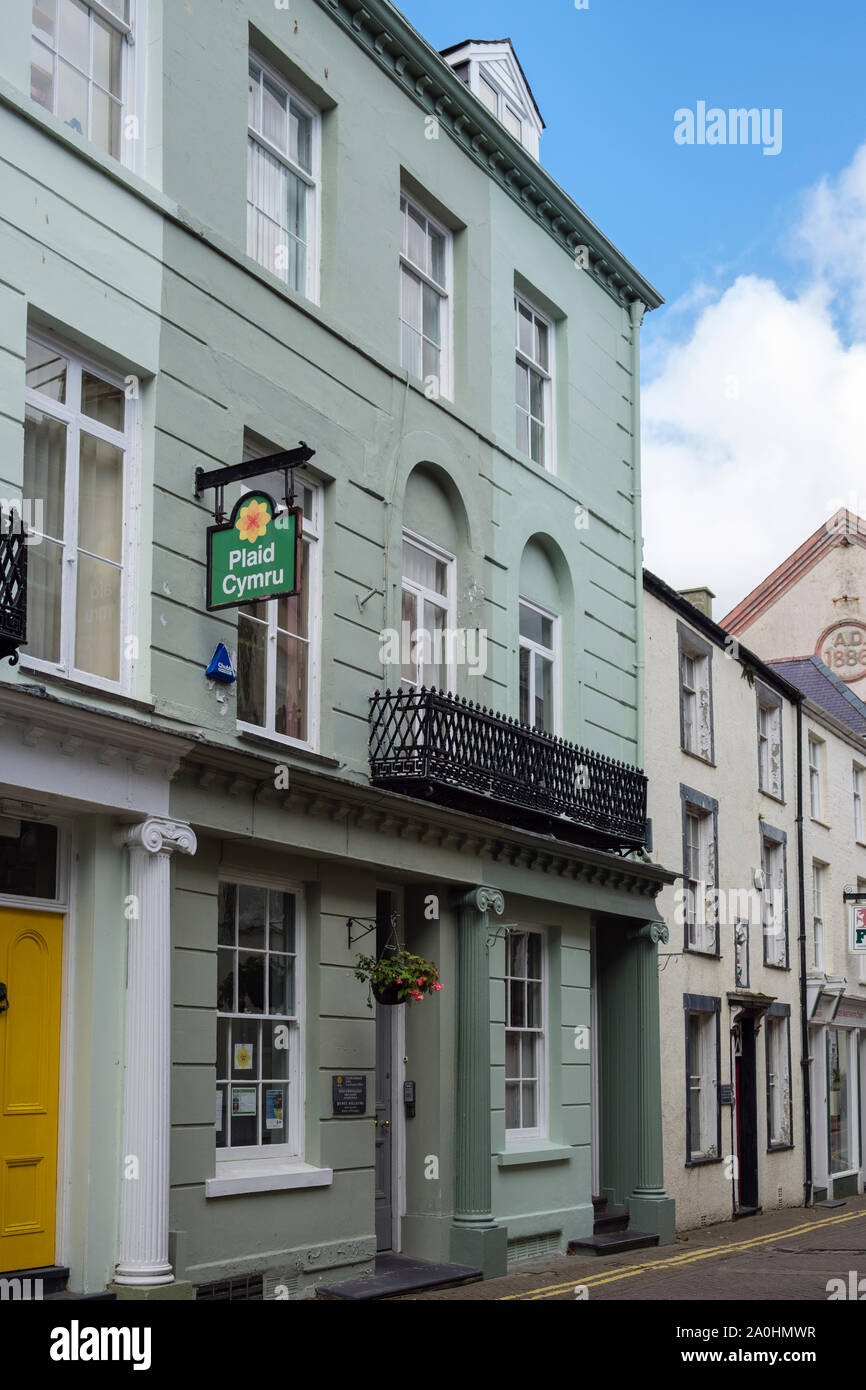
{"type": "Point", "coordinates": [151, 275]}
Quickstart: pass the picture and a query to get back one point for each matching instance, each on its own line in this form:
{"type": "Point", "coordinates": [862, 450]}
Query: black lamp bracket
{"type": "Point", "coordinates": [220, 478]}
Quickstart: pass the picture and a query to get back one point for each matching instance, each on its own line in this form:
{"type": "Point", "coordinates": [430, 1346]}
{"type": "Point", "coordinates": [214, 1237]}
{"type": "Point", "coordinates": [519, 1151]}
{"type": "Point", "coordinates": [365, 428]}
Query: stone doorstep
{"type": "Point", "coordinates": [612, 1243]}
{"type": "Point", "coordinates": [53, 1277]}
{"type": "Point", "coordinates": [399, 1274]}
{"type": "Point", "coordinates": [69, 1294]}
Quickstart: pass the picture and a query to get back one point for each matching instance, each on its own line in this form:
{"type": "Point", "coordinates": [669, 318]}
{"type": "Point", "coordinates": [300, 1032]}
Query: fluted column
{"type": "Point", "coordinates": [143, 1244]}
{"type": "Point", "coordinates": [475, 1238]}
{"type": "Point", "coordinates": [650, 1164]}
{"type": "Point", "coordinates": [649, 1205]}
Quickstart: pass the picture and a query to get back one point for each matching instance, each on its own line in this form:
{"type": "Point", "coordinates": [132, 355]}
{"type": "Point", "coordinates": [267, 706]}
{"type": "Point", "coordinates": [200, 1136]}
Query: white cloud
{"type": "Point", "coordinates": [831, 234]}
{"type": "Point", "coordinates": [755, 426]}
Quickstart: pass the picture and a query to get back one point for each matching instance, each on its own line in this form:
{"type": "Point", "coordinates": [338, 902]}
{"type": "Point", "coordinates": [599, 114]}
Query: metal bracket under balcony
{"type": "Point", "coordinates": [13, 585]}
{"type": "Point", "coordinates": [429, 744]}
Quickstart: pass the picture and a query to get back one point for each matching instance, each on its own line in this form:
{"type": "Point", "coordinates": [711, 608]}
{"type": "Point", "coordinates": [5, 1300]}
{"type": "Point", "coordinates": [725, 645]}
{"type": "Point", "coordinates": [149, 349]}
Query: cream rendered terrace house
{"type": "Point", "coordinates": [834, 779]}
{"type": "Point", "coordinates": [807, 619]}
{"type": "Point", "coordinates": [721, 757]}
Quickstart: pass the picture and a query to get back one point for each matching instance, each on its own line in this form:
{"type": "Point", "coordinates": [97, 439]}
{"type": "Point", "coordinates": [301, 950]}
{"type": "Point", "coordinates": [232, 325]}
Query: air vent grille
{"type": "Point", "coordinates": [530, 1247]}
{"type": "Point", "coordinates": [247, 1289]}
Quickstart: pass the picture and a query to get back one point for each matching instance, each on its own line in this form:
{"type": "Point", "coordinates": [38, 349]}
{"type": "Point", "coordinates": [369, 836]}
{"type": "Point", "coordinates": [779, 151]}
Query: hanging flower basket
{"type": "Point", "coordinates": [397, 976]}
{"type": "Point", "coordinates": [386, 994]}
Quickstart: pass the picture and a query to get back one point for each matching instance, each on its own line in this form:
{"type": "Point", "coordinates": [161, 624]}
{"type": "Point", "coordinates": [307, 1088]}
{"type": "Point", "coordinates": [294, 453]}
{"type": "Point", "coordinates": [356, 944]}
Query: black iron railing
{"type": "Point", "coordinates": [13, 585]}
{"type": "Point", "coordinates": [427, 743]}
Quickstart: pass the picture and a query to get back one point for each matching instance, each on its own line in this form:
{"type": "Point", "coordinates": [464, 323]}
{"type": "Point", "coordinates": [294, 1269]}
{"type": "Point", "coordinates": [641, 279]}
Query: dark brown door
{"type": "Point", "coordinates": [747, 1116]}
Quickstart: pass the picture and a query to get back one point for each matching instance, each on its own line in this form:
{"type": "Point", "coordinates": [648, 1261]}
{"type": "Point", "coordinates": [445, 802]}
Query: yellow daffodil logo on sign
{"type": "Point", "coordinates": [253, 520]}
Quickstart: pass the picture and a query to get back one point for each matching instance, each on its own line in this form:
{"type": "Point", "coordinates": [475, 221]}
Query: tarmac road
{"type": "Point", "coordinates": [779, 1256]}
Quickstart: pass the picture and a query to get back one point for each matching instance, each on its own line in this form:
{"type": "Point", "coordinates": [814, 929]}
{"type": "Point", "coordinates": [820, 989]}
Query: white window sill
{"type": "Point", "coordinates": [268, 1176]}
{"type": "Point", "coordinates": [263, 735]}
{"type": "Point", "coordinates": [80, 681]}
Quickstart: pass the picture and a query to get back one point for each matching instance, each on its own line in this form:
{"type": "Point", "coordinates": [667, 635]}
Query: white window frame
{"type": "Point", "coordinates": [251, 1156]}
{"type": "Point", "coordinates": [774, 904]}
{"type": "Point", "coordinates": [548, 377]}
{"type": "Point", "coordinates": [816, 800]}
{"type": "Point", "coordinates": [703, 1077]}
{"type": "Point", "coordinates": [779, 1110]}
{"type": "Point", "coordinates": [511, 110]}
{"type": "Point", "coordinates": [700, 926]}
{"type": "Point", "coordinates": [484, 81]}
{"type": "Point", "coordinates": [133, 78]}
{"type": "Point", "coordinates": [857, 792]}
{"type": "Point", "coordinates": [311, 578]}
{"type": "Point", "coordinates": [689, 683]}
{"type": "Point", "coordinates": [446, 602]}
{"type": "Point", "coordinates": [697, 736]}
{"type": "Point", "coordinates": [445, 293]}
{"type": "Point", "coordinates": [312, 180]}
{"type": "Point", "coordinates": [551, 654]}
{"type": "Point", "coordinates": [818, 919]}
{"type": "Point", "coordinates": [769, 732]}
{"type": "Point", "coordinates": [763, 745]}
{"type": "Point", "coordinates": [540, 1130]}
{"type": "Point", "coordinates": [130, 442]}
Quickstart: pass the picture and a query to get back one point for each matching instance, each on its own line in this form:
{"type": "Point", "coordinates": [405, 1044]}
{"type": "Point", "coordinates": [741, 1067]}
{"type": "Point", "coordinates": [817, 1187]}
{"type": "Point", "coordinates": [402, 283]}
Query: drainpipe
{"type": "Point", "coordinates": [804, 1017]}
{"type": "Point", "coordinates": [637, 309]}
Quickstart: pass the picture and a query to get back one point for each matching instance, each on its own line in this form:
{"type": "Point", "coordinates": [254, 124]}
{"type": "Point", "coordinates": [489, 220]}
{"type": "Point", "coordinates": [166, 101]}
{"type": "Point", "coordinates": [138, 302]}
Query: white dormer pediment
{"type": "Point", "coordinates": [492, 72]}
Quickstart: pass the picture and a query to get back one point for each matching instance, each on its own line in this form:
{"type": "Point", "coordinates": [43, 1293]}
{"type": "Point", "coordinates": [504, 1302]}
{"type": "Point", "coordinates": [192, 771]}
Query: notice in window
{"type": "Point", "coordinates": [243, 1100]}
{"type": "Point", "coordinates": [274, 1109]}
{"type": "Point", "coordinates": [243, 1056]}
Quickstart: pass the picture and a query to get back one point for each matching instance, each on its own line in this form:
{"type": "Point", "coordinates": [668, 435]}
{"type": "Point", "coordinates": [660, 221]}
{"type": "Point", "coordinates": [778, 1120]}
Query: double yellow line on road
{"type": "Point", "coordinates": [688, 1257]}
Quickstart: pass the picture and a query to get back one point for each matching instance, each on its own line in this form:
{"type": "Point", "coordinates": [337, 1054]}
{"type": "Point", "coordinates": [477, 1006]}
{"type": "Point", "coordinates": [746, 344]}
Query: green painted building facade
{"type": "Point", "coordinates": [231, 228]}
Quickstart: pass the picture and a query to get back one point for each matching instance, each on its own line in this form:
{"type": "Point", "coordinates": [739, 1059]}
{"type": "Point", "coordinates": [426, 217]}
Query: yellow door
{"type": "Point", "coordinates": [30, 945]}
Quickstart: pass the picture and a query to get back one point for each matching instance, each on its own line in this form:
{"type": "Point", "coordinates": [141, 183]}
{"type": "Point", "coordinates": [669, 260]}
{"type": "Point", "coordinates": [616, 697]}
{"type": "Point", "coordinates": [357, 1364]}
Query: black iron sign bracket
{"type": "Point", "coordinates": [285, 463]}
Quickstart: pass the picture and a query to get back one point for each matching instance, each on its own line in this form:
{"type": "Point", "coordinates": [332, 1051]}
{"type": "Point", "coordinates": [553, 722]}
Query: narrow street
{"type": "Point", "coordinates": [778, 1256]}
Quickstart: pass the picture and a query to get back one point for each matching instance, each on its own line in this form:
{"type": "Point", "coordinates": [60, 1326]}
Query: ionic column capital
{"type": "Point", "coordinates": [482, 899]}
{"type": "Point", "coordinates": [158, 836]}
{"type": "Point", "coordinates": [652, 931]}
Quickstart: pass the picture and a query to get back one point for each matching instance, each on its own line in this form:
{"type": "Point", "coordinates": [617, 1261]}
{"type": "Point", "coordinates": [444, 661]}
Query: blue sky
{"type": "Point", "coordinates": [609, 79]}
{"type": "Point", "coordinates": [742, 245]}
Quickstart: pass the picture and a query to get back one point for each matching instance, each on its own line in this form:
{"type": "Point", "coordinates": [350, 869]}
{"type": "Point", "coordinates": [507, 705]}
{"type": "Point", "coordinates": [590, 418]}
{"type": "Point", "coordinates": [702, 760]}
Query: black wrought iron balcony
{"type": "Point", "coordinates": [427, 743]}
{"type": "Point", "coordinates": [13, 585]}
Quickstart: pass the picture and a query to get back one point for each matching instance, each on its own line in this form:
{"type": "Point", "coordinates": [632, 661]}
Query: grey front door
{"type": "Point", "coordinates": [384, 1067]}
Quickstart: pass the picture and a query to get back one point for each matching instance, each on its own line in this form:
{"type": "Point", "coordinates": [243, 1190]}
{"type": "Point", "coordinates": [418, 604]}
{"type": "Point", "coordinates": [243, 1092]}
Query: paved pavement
{"type": "Point", "coordinates": [777, 1256]}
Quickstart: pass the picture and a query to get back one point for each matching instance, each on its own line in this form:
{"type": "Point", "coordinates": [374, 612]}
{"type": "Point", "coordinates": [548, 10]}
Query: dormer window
{"type": "Point", "coordinates": [488, 94]}
{"type": "Point", "coordinates": [513, 123]}
{"type": "Point", "coordinates": [492, 72]}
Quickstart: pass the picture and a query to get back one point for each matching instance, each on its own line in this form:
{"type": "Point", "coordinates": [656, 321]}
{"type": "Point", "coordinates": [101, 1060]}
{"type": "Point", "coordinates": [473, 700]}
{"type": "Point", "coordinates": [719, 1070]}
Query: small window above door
{"type": "Point", "coordinates": [28, 859]}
